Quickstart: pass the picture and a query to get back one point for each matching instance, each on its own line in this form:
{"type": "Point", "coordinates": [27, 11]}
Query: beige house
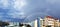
{"type": "Point", "coordinates": [59, 24]}
{"type": "Point", "coordinates": [51, 22]}
{"type": "Point", "coordinates": [56, 23]}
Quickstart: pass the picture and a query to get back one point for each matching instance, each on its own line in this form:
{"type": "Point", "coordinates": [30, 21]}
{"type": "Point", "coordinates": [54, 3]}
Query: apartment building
{"type": "Point", "coordinates": [56, 23]}
{"type": "Point", "coordinates": [59, 24]}
{"type": "Point", "coordinates": [35, 23]}
{"type": "Point", "coordinates": [40, 22]}
{"type": "Point", "coordinates": [48, 21]}
{"type": "Point", "coordinates": [51, 21]}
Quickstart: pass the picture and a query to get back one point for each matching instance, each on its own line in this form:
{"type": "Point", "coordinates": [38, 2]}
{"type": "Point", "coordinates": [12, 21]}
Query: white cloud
{"type": "Point", "coordinates": [16, 14]}
{"type": "Point", "coordinates": [4, 3]}
{"type": "Point", "coordinates": [18, 4]}
{"type": "Point", "coordinates": [17, 11]}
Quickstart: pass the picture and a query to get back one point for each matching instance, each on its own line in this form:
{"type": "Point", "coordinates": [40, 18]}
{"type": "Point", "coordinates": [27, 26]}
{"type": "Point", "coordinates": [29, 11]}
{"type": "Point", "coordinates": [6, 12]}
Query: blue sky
{"type": "Point", "coordinates": [29, 9]}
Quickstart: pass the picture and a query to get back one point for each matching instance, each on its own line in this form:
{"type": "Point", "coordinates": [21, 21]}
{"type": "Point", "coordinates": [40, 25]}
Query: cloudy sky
{"type": "Point", "coordinates": [28, 9]}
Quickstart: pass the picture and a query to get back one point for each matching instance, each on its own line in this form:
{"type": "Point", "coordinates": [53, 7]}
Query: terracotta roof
{"type": "Point", "coordinates": [51, 17]}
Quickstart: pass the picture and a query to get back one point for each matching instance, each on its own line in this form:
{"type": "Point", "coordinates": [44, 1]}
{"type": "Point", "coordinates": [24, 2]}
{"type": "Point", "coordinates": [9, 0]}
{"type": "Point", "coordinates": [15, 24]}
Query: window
{"type": "Point", "coordinates": [48, 26]}
{"type": "Point", "coordinates": [43, 25]}
{"type": "Point", "coordinates": [43, 20]}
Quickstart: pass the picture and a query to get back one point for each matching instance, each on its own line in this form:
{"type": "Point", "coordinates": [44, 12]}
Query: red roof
{"type": "Point", "coordinates": [51, 17]}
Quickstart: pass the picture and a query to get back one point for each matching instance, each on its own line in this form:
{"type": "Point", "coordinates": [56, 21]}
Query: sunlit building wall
{"type": "Point", "coordinates": [49, 21]}
{"type": "Point", "coordinates": [59, 24]}
{"type": "Point", "coordinates": [56, 23]}
{"type": "Point", "coordinates": [35, 23]}
{"type": "Point", "coordinates": [41, 22]}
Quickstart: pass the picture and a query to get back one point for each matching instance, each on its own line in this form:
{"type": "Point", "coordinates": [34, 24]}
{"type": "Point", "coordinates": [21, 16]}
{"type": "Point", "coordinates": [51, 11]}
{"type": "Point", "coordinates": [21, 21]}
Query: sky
{"type": "Point", "coordinates": [28, 10]}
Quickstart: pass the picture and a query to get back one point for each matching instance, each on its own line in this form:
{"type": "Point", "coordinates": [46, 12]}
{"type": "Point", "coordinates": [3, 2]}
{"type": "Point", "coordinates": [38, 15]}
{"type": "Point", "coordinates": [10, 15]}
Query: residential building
{"type": "Point", "coordinates": [40, 23]}
{"type": "Point", "coordinates": [51, 21]}
{"type": "Point", "coordinates": [35, 23]}
{"type": "Point", "coordinates": [56, 23]}
{"type": "Point", "coordinates": [59, 24]}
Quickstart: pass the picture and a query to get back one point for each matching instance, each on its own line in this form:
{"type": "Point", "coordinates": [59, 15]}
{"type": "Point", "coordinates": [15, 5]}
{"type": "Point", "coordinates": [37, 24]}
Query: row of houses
{"type": "Point", "coordinates": [48, 21]}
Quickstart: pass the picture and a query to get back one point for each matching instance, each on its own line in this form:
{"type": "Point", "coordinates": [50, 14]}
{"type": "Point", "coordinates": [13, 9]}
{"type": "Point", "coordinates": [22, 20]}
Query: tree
{"type": "Point", "coordinates": [3, 23]}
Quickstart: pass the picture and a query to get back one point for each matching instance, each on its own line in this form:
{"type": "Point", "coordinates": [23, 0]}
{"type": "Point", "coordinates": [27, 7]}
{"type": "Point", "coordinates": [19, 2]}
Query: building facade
{"type": "Point", "coordinates": [48, 21]}
{"type": "Point", "coordinates": [40, 23]}
{"type": "Point", "coordinates": [51, 22]}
